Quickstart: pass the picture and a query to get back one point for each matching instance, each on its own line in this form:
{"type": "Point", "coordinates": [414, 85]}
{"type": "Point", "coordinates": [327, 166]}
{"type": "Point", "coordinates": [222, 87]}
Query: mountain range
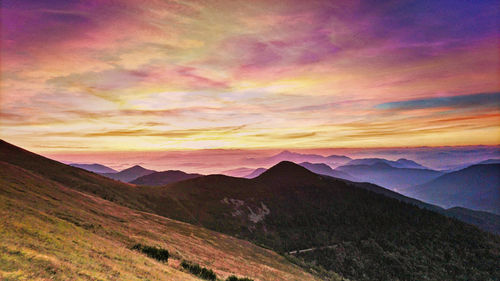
{"type": "Point", "coordinates": [400, 163]}
{"type": "Point", "coordinates": [328, 226]}
{"type": "Point", "coordinates": [383, 174]}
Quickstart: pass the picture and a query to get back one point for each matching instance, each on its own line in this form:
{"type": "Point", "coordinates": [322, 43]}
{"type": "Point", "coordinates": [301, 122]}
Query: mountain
{"type": "Point", "coordinates": [96, 168]}
{"type": "Point", "coordinates": [129, 174]}
{"type": "Point", "coordinates": [53, 230]}
{"type": "Point", "coordinates": [490, 161]}
{"type": "Point", "coordinates": [323, 169]}
{"type": "Point", "coordinates": [238, 172]}
{"type": "Point", "coordinates": [353, 229]}
{"type": "Point", "coordinates": [476, 187]}
{"type": "Point", "coordinates": [400, 163]}
{"type": "Point", "coordinates": [163, 178]}
{"type": "Point", "coordinates": [383, 174]}
{"type": "Point", "coordinates": [255, 173]}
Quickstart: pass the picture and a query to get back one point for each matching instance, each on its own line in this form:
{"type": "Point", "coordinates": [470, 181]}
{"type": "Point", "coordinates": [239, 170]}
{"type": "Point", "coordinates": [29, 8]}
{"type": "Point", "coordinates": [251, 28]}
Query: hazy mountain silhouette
{"type": "Point", "coordinates": [129, 174]}
{"type": "Point", "coordinates": [286, 155]}
{"type": "Point", "coordinates": [476, 187]}
{"type": "Point", "coordinates": [96, 168]}
{"type": "Point", "coordinates": [388, 176]}
{"type": "Point", "coordinates": [323, 169]}
{"type": "Point", "coordinates": [400, 163]}
{"type": "Point", "coordinates": [163, 178]}
{"type": "Point", "coordinates": [238, 172]}
{"type": "Point", "coordinates": [255, 173]}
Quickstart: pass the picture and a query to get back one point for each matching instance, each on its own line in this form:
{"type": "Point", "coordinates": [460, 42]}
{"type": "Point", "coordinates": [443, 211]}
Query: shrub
{"type": "Point", "coordinates": [197, 270]}
{"type": "Point", "coordinates": [152, 252]}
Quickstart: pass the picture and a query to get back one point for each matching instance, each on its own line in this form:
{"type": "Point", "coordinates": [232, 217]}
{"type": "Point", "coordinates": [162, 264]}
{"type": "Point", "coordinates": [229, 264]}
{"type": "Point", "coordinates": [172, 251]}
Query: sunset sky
{"type": "Point", "coordinates": [178, 75]}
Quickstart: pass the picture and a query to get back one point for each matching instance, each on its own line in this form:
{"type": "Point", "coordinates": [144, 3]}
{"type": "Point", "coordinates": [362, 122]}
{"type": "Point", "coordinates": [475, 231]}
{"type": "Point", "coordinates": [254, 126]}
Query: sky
{"type": "Point", "coordinates": [110, 76]}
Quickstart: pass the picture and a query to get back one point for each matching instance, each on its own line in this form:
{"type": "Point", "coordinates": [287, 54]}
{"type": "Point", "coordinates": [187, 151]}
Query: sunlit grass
{"type": "Point", "coordinates": [51, 232]}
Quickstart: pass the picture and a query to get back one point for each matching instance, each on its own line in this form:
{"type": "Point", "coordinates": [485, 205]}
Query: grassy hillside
{"type": "Point", "coordinates": [51, 231]}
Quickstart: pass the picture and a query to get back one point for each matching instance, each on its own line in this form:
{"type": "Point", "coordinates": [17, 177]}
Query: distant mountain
{"type": "Point", "coordinates": [323, 169]}
{"type": "Point", "coordinates": [238, 172]}
{"type": "Point", "coordinates": [463, 166]}
{"type": "Point", "coordinates": [286, 155]}
{"type": "Point", "coordinates": [400, 163]}
{"type": "Point", "coordinates": [490, 161]}
{"type": "Point", "coordinates": [163, 178]}
{"type": "Point", "coordinates": [257, 172]}
{"type": "Point", "coordinates": [129, 174]}
{"type": "Point", "coordinates": [476, 187]}
{"type": "Point", "coordinates": [383, 174]}
{"type": "Point", "coordinates": [96, 168]}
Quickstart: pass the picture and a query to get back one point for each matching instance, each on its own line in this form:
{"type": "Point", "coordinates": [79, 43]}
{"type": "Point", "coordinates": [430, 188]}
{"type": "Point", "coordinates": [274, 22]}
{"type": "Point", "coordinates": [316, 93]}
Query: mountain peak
{"type": "Point", "coordinates": [135, 168]}
{"type": "Point", "coordinates": [284, 152]}
{"type": "Point", "coordinates": [287, 170]}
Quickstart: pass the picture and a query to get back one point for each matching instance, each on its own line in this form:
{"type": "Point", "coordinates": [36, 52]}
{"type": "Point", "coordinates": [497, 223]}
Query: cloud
{"type": "Point", "coordinates": [464, 101]}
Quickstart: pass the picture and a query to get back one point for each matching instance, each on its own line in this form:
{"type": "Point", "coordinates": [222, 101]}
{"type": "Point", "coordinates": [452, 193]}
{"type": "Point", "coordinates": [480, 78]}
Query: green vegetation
{"type": "Point", "coordinates": [234, 278]}
{"type": "Point", "coordinates": [152, 252]}
{"type": "Point", "coordinates": [197, 270]}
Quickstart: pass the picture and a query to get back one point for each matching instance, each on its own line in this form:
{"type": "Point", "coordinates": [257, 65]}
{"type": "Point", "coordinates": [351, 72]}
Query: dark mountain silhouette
{"type": "Point", "coordinates": [96, 168]}
{"type": "Point", "coordinates": [370, 236]}
{"type": "Point", "coordinates": [290, 208]}
{"type": "Point", "coordinates": [163, 178]}
{"type": "Point", "coordinates": [390, 177]}
{"type": "Point", "coordinates": [476, 187]}
{"type": "Point", "coordinates": [323, 169]}
{"type": "Point", "coordinates": [400, 163]}
{"type": "Point", "coordinates": [255, 173]}
{"type": "Point", "coordinates": [129, 174]}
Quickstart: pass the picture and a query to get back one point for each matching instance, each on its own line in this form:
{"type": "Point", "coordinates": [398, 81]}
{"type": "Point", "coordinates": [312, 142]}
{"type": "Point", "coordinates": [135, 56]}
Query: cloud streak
{"type": "Point", "coordinates": [464, 101]}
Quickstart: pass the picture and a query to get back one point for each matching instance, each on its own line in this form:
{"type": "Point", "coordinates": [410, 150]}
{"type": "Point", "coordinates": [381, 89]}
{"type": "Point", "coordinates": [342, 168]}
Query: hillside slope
{"type": "Point", "coordinates": [51, 231]}
{"type": "Point", "coordinates": [476, 187]}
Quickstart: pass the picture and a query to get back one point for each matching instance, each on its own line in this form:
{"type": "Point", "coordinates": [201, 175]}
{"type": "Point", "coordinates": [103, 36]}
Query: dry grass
{"type": "Point", "coordinates": [52, 232]}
